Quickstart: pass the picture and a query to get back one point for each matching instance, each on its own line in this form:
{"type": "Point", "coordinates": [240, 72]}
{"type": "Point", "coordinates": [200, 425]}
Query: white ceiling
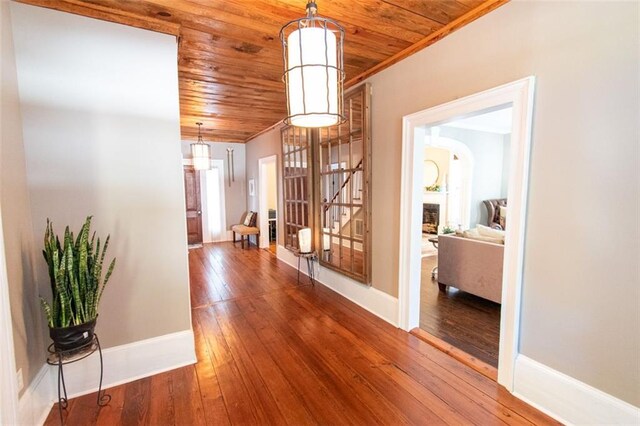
{"type": "Point", "coordinates": [494, 122]}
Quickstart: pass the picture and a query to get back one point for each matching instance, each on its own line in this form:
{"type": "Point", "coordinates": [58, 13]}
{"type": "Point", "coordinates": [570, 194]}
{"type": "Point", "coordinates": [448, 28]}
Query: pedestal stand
{"type": "Point", "coordinates": [310, 257]}
{"type": "Point", "coordinates": [61, 358]}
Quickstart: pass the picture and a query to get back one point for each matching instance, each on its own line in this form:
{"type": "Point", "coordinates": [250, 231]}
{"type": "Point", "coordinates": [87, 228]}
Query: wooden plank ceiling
{"type": "Point", "coordinates": [230, 57]}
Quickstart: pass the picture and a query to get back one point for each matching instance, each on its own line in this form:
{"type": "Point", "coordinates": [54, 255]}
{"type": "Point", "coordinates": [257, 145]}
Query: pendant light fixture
{"type": "Point", "coordinates": [312, 49]}
{"type": "Point", "coordinates": [201, 152]}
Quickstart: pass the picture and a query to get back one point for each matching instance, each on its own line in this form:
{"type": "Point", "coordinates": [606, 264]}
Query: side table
{"type": "Point", "coordinates": [62, 358]}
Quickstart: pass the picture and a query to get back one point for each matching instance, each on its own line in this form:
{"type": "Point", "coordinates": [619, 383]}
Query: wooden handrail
{"type": "Point", "coordinates": [353, 171]}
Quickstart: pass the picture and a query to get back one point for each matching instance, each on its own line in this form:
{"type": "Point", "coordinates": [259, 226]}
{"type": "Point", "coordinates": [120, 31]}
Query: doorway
{"type": "Point", "coordinates": [461, 277]}
{"type": "Point", "coordinates": [518, 95]}
{"type": "Point", "coordinates": [205, 204]}
{"type": "Point", "coordinates": [193, 205]}
{"type": "Point", "coordinates": [268, 202]}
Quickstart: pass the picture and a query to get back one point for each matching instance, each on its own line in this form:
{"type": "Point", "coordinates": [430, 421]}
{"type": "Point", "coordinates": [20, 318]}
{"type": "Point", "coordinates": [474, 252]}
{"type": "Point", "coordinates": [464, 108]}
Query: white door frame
{"type": "Point", "coordinates": [263, 210]}
{"type": "Point", "coordinates": [8, 378]}
{"type": "Point", "coordinates": [520, 95]}
{"type": "Point", "coordinates": [219, 164]}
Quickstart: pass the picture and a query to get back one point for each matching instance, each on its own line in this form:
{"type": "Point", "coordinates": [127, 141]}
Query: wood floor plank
{"type": "Point", "coordinates": [371, 398]}
{"type": "Point", "coordinates": [263, 370]}
{"type": "Point", "coordinates": [325, 406]}
{"type": "Point", "coordinates": [236, 396]}
{"type": "Point", "coordinates": [262, 401]}
{"type": "Point", "coordinates": [137, 401]}
{"type": "Point", "coordinates": [423, 360]}
{"type": "Point", "coordinates": [271, 350]}
{"type": "Point", "coordinates": [215, 410]}
{"type": "Point", "coordinates": [186, 397]}
{"type": "Point", "coordinates": [110, 414]}
{"type": "Point", "coordinates": [162, 409]}
{"type": "Point", "coordinates": [442, 401]}
{"type": "Point", "coordinates": [371, 365]}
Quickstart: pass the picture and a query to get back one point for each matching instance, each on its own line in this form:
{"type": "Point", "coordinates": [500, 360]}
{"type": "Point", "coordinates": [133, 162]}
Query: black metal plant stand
{"type": "Point", "coordinates": [61, 358]}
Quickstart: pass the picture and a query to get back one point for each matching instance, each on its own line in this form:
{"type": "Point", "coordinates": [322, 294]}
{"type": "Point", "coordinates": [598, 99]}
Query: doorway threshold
{"type": "Point", "coordinates": [481, 367]}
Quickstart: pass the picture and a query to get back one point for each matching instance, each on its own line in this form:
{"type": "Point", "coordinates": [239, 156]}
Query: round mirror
{"type": "Point", "coordinates": [431, 173]}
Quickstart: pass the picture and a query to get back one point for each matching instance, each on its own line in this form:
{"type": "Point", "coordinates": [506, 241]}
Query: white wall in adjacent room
{"type": "Point", "coordinates": [487, 150]}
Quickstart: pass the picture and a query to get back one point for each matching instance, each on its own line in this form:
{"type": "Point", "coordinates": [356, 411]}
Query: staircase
{"type": "Point", "coordinates": [337, 215]}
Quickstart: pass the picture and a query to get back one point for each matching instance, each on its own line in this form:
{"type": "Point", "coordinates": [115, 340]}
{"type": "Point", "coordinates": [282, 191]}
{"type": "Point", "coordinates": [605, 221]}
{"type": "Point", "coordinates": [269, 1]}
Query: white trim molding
{"type": "Point", "coordinates": [133, 361]}
{"type": "Point", "coordinates": [9, 407]}
{"type": "Point", "coordinates": [569, 400]}
{"type": "Point", "coordinates": [519, 95]}
{"type": "Point", "coordinates": [263, 208]}
{"type": "Point", "coordinates": [37, 399]}
{"type": "Point", "coordinates": [373, 300]}
{"type": "Point", "coordinates": [122, 364]}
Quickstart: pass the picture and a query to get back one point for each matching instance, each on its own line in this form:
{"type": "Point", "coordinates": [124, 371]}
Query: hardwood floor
{"type": "Point", "coordinates": [271, 351]}
{"type": "Point", "coordinates": [467, 322]}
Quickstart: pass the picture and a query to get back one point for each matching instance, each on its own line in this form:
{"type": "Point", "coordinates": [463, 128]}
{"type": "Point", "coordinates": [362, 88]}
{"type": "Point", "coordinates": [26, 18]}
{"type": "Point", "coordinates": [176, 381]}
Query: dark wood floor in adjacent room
{"type": "Point", "coordinates": [271, 351]}
{"type": "Point", "coordinates": [467, 322]}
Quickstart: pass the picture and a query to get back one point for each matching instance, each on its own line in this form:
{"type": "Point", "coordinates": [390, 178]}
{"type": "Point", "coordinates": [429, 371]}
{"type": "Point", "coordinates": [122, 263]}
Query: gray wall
{"type": "Point", "coordinates": [235, 201]}
{"type": "Point", "coordinates": [102, 136]}
{"type": "Point", "coordinates": [265, 145]}
{"type": "Point", "coordinates": [581, 292]}
{"type": "Point", "coordinates": [16, 220]}
{"type": "Point", "coordinates": [487, 150]}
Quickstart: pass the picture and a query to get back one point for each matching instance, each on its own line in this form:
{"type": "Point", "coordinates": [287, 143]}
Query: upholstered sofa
{"type": "Point", "coordinates": [471, 265]}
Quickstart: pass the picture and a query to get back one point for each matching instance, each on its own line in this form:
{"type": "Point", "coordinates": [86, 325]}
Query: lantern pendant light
{"type": "Point", "coordinates": [201, 152]}
{"type": "Point", "coordinates": [312, 50]}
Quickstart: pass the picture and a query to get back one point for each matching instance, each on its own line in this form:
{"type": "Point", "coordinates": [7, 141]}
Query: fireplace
{"type": "Point", "coordinates": [430, 218]}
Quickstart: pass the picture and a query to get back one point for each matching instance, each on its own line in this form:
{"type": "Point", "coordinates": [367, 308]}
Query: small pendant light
{"type": "Point", "coordinates": [201, 152]}
{"type": "Point", "coordinates": [313, 70]}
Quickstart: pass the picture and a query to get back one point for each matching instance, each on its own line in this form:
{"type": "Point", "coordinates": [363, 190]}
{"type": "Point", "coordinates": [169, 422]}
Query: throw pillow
{"type": "Point", "coordinates": [247, 219]}
{"type": "Point", "coordinates": [503, 217]}
{"type": "Point", "coordinates": [485, 239]}
{"type": "Point", "coordinates": [485, 231]}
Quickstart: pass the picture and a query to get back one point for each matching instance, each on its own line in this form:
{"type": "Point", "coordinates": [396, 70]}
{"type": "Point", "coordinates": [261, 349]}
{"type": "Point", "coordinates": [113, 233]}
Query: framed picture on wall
{"type": "Point", "coordinates": [252, 187]}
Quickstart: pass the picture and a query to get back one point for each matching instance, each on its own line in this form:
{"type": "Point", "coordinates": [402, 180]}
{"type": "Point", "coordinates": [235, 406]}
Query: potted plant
{"type": "Point", "coordinates": [448, 230]}
{"type": "Point", "coordinates": [77, 283]}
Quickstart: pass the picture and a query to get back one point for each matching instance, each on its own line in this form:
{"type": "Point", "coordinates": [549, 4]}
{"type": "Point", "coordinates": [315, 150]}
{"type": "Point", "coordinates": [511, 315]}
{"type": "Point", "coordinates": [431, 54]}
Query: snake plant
{"type": "Point", "coordinates": [75, 271]}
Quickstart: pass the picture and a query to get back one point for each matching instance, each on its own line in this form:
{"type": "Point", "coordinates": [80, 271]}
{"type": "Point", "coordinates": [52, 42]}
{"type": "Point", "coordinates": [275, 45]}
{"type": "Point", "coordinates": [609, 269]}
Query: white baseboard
{"type": "Point", "coordinates": [37, 400]}
{"type": "Point", "coordinates": [133, 361]}
{"type": "Point", "coordinates": [567, 399]}
{"type": "Point", "coordinates": [373, 300]}
{"type": "Point", "coordinates": [226, 236]}
{"type": "Point", "coordinates": [122, 364]}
